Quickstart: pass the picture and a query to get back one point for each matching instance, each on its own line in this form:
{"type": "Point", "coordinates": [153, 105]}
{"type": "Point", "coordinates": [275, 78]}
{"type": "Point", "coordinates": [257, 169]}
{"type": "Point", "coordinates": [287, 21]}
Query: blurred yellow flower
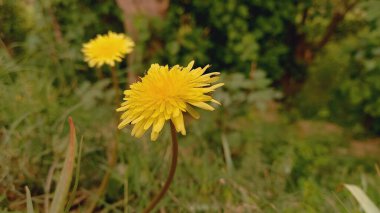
{"type": "Point", "coordinates": [107, 49]}
{"type": "Point", "coordinates": [165, 94]}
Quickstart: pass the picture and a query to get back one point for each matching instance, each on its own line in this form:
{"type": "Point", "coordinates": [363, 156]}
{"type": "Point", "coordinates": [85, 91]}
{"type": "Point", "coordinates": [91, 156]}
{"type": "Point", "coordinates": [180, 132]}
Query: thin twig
{"type": "Point", "coordinates": [337, 18]}
{"type": "Point", "coordinates": [305, 13]}
{"type": "Point", "coordinates": [173, 167]}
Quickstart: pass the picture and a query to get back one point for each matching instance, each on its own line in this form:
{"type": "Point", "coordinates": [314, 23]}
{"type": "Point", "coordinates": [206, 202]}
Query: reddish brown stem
{"type": "Point", "coordinates": [173, 167]}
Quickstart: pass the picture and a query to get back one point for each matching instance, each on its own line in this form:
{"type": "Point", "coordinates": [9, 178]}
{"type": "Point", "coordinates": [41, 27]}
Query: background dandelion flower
{"type": "Point", "coordinates": [165, 94]}
{"type": "Point", "coordinates": [107, 49]}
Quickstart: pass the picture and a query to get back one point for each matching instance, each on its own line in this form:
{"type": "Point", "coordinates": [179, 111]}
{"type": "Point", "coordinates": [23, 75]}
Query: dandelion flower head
{"type": "Point", "coordinates": [107, 49]}
{"type": "Point", "coordinates": [166, 94]}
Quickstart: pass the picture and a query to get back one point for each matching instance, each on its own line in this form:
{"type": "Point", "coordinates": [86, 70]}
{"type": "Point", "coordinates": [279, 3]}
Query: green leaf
{"type": "Point", "coordinates": [29, 203]}
{"type": "Point", "coordinates": [366, 203]}
{"type": "Point", "coordinates": [64, 182]}
{"type": "Point", "coordinates": [76, 180]}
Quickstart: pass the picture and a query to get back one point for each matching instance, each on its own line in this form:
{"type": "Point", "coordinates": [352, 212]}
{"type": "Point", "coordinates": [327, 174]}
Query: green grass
{"type": "Point", "coordinates": [277, 166]}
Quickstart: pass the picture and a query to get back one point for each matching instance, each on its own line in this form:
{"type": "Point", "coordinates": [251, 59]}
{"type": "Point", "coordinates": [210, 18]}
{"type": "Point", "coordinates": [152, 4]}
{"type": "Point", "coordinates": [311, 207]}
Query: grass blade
{"type": "Point", "coordinates": [76, 181]}
{"type": "Point", "coordinates": [227, 153]}
{"type": "Point", "coordinates": [29, 203]}
{"type": "Point", "coordinates": [64, 182]}
{"type": "Point", "coordinates": [366, 203]}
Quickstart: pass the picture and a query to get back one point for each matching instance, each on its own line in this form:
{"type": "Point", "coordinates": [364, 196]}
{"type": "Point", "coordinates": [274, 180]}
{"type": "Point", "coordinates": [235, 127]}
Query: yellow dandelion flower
{"type": "Point", "coordinates": [166, 94]}
{"type": "Point", "coordinates": [107, 49]}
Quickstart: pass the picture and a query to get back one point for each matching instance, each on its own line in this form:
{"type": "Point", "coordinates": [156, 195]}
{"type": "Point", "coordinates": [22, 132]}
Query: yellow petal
{"type": "Point", "coordinates": [192, 112]}
{"type": "Point", "coordinates": [123, 124]}
{"type": "Point", "coordinates": [138, 119]}
{"type": "Point", "coordinates": [154, 135]}
{"type": "Point", "coordinates": [202, 105]}
{"type": "Point", "coordinates": [148, 123]}
{"type": "Point", "coordinates": [158, 124]}
{"type": "Point", "coordinates": [179, 124]}
{"type": "Point", "coordinates": [215, 101]}
{"type": "Point", "coordinates": [190, 65]}
{"type": "Point", "coordinates": [140, 131]}
{"type": "Point", "coordinates": [176, 112]}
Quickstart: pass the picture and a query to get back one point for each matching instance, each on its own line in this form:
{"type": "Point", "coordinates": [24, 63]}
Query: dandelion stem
{"type": "Point", "coordinates": [173, 167]}
{"type": "Point", "coordinates": [115, 84]}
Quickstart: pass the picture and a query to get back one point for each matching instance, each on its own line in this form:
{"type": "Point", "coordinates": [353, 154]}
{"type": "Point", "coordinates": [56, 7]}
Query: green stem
{"type": "Point", "coordinates": [173, 167]}
{"type": "Point", "coordinates": [115, 84]}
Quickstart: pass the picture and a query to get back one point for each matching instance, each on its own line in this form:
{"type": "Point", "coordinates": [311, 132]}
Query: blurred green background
{"type": "Point", "coordinates": [300, 110]}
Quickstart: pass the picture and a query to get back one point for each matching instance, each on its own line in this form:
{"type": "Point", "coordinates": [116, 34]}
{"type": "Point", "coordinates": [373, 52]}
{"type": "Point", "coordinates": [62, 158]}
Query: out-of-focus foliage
{"type": "Point", "coordinates": [14, 23]}
{"type": "Point", "coordinates": [360, 86]}
{"type": "Point", "coordinates": [343, 82]}
{"type": "Point", "coordinates": [231, 34]}
{"type": "Point", "coordinates": [241, 90]}
{"type": "Point", "coordinates": [373, 12]}
{"type": "Point", "coordinates": [242, 94]}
